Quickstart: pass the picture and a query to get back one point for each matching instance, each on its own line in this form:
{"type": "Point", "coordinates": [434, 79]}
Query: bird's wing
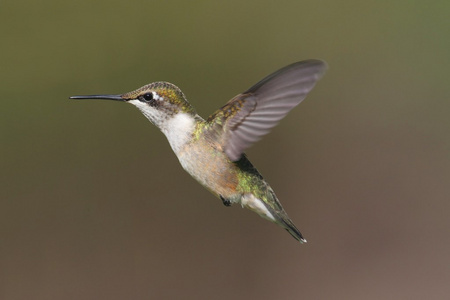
{"type": "Point", "coordinates": [252, 114]}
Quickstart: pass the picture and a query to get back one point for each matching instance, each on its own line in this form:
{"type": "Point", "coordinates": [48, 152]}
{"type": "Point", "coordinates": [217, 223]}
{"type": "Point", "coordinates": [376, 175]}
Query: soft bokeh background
{"type": "Point", "coordinates": [94, 204]}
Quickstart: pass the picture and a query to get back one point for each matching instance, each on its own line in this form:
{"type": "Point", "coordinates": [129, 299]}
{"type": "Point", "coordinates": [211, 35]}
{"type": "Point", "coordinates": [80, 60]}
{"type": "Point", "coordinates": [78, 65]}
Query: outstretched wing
{"type": "Point", "coordinates": [252, 114]}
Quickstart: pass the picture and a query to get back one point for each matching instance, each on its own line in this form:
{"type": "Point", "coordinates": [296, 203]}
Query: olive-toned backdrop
{"type": "Point", "coordinates": [94, 205]}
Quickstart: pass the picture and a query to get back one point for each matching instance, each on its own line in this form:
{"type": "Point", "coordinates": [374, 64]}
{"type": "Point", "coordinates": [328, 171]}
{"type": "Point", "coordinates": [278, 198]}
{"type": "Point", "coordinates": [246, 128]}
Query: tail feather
{"type": "Point", "coordinates": [273, 212]}
{"type": "Point", "coordinates": [290, 227]}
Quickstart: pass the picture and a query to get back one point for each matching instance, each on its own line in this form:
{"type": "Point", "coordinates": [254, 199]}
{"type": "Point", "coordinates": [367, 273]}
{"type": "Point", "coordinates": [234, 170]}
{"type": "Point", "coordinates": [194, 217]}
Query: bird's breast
{"type": "Point", "coordinates": [210, 167]}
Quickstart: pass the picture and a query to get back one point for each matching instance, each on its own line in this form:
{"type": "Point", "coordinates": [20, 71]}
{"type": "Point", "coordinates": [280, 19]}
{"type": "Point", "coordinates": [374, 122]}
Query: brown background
{"type": "Point", "coordinates": [94, 205]}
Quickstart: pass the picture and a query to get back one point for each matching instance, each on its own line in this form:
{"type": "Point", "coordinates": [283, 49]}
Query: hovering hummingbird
{"type": "Point", "coordinates": [212, 150]}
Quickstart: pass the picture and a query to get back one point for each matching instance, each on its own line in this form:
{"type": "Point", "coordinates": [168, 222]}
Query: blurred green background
{"type": "Point", "coordinates": [94, 204]}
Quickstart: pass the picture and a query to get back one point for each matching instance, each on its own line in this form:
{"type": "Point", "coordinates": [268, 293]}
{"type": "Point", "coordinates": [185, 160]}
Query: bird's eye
{"type": "Point", "coordinates": [147, 96]}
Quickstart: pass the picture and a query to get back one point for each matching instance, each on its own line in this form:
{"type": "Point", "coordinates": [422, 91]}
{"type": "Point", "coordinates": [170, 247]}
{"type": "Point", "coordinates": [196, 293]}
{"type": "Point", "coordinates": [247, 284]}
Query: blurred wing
{"type": "Point", "coordinates": [252, 114]}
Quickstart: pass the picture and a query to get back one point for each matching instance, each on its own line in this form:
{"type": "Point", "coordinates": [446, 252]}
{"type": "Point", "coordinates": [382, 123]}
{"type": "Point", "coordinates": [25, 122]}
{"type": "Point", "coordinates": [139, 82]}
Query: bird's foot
{"type": "Point", "coordinates": [225, 202]}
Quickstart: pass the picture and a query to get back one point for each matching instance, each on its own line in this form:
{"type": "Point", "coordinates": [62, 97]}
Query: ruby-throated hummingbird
{"type": "Point", "coordinates": [212, 150]}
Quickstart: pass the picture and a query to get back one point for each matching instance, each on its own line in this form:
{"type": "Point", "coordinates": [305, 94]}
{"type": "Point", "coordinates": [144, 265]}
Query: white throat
{"type": "Point", "coordinates": [177, 128]}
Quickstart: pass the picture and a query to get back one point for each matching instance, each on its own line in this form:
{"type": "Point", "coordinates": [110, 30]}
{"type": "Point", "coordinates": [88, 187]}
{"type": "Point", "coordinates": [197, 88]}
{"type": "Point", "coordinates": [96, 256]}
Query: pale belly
{"type": "Point", "coordinates": [219, 175]}
{"type": "Point", "coordinates": [211, 169]}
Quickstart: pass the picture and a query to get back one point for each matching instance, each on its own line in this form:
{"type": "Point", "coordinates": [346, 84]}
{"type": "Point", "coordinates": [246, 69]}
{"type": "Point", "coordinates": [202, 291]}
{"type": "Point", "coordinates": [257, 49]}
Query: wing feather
{"type": "Point", "coordinates": [252, 114]}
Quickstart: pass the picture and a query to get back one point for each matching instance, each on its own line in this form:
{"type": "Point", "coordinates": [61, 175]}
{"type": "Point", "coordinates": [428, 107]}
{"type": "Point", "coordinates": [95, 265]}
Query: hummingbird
{"type": "Point", "coordinates": [212, 150]}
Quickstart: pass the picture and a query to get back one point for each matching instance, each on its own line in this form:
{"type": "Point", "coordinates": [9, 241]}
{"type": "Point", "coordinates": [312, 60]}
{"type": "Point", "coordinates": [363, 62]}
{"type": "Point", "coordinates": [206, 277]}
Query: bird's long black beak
{"type": "Point", "coordinates": [104, 97]}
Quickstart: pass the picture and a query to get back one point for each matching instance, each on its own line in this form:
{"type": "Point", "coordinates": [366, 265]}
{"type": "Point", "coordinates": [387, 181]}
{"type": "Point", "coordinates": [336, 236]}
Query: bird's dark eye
{"type": "Point", "coordinates": [147, 96]}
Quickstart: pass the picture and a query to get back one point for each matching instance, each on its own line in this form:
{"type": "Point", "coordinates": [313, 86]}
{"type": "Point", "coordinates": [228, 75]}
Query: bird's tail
{"type": "Point", "coordinates": [274, 213]}
{"type": "Point", "coordinates": [290, 227]}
